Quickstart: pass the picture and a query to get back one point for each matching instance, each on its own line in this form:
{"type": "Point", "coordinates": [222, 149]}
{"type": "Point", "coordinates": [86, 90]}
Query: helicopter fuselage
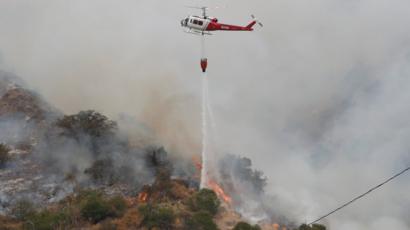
{"type": "Point", "coordinates": [202, 24]}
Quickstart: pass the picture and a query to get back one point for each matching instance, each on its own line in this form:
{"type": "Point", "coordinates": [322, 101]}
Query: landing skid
{"type": "Point", "coordinates": [197, 32]}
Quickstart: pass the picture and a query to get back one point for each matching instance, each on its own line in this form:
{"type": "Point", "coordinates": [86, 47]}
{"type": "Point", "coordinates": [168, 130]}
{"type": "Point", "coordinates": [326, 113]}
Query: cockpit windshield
{"type": "Point", "coordinates": [184, 22]}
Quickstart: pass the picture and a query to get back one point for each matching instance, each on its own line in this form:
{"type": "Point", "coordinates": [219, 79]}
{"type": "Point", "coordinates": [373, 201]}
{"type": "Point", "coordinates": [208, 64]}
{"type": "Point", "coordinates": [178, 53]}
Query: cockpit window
{"type": "Point", "coordinates": [200, 23]}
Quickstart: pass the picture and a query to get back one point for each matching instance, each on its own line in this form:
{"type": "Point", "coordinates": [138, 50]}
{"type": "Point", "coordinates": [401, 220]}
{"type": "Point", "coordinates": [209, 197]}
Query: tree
{"type": "Point", "coordinates": [201, 220]}
{"type": "Point", "coordinates": [4, 154]}
{"type": "Point", "coordinates": [313, 227]}
{"type": "Point", "coordinates": [91, 128]}
{"type": "Point", "coordinates": [246, 226]}
{"type": "Point", "coordinates": [87, 122]}
{"type": "Point", "coordinates": [95, 208]}
{"type": "Point", "coordinates": [157, 160]}
{"type": "Point", "coordinates": [102, 171]}
{"type": "Point", "coordinates": [205, 200]}
{"type": "Point", "coordinates": [241, 168]}
{"type": "Point", "coordinates": [158, 216]}
{"type": "Point", "coordinates": [318, 227]}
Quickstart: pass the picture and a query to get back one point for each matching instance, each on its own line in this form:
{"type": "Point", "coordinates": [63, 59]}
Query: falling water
{"type": "Point", "coordinates": [204, 172]}
{"type": "Point", "coordinates": [207, 117]}
{"type": "Point", "coordinates": [204, 130]}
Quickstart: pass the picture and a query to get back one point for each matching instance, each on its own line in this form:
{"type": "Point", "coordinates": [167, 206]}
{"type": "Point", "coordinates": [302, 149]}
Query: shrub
{"type": "Point", "coordinates": [23, 209]}
{"type": "Point", "coordinates": [118, 206]}
{"type": "Point", "coordinates": [7, 223]}
{"type": "Point", "coordinates": [205, 200]}
{"type": "Point", "coordinates": [246, 226]}
{"type": "Point", "coordinates": [157, 216]}
{"type": "Point", "coordinates": [201, 220]}
{"type": "Point", "coordinates": [318, 227]}
{"type": "Point", "coordinates": [46, 220]}
{"type": "Point", "coordinates": [304, 227]}
{"type": "Point", "coordinates": [313, 227]}
{"type": "Point", "coordinates": [95, 208]}
{"type": "Point", "coordinates": [4, 154]}
{"type": "Point", "coordinates": [132, 219]}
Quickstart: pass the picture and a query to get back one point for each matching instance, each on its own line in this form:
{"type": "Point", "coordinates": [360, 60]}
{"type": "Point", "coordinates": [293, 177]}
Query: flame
{"type": "Point", "coordinates": [219, 191]}
{"type": "Point", "coordinates": [197, 163]}
{"type": "Point", "coordinates": [143, 197]}
{"type": "Point", "coordinates": [211, 183]}
{"type": "Point", "coordinates": [276, 226]}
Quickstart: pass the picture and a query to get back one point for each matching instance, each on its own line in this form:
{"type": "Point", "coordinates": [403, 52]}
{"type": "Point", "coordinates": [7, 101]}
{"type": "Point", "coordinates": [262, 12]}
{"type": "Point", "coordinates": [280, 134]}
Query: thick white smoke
{"type": "Point", "coordinates": [318, 98]}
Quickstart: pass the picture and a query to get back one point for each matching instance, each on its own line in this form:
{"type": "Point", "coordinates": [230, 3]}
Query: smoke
{"type": "Point", "coordinates": [317, 98]}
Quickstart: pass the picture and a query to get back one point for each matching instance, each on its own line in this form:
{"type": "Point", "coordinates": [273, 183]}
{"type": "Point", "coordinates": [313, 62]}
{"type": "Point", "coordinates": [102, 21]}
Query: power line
{"type": "Point", "coordinates": [361, 196]}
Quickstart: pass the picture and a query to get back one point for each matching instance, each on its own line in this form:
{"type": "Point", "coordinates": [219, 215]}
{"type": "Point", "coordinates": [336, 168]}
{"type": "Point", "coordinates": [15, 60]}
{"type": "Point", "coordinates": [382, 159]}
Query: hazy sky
{"type": "Point", "coordinates": [318, 98]}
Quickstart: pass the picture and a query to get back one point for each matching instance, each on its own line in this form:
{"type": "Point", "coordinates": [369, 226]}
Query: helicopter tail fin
{"type": "Point", "coordinates": [249, 27]}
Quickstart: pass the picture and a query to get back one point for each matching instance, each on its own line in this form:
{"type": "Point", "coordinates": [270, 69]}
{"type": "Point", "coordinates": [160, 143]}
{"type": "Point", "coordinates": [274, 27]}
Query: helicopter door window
{"type": "Point", "coordinates": [200, 23]}
{"type": "Point", "coordinates": [196, 22]}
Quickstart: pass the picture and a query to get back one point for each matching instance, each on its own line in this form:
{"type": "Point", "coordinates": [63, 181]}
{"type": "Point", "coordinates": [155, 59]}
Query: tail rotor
{"type": "Point", "coordinates": [256, 20]}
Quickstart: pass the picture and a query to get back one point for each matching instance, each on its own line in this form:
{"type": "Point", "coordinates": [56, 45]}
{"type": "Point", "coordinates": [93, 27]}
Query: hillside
{"type": "Point", "coordinates": [81, 171]}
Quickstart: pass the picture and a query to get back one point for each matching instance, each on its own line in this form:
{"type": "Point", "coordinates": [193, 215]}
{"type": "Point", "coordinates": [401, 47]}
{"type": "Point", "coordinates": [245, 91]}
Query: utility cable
{"type": "Point", "coordinates": [361, 196]}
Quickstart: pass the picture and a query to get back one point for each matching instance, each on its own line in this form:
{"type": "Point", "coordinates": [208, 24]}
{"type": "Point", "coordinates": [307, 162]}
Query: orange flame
{"type": "Point", "coordinates": [142, 197]}
{"type": "Point", "coordinates": [276, 226]}
{"type": "Point", "coordinates": [212, 184]}
{"type": "Point", "coordinates": [219, 191]}
{"type": "Point", "coordinates": [197, 163]}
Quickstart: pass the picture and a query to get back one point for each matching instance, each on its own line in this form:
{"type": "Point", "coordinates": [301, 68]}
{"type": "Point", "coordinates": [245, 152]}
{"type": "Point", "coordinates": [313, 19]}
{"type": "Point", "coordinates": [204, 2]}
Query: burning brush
{"type": "Point", "coordinates": [212, 184]}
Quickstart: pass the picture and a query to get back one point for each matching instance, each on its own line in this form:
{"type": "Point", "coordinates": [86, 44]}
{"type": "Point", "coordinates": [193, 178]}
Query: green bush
{"type": "Point", "coordinates": [157, 216]}
{"type": "Point", "coordinates": [95, 208]}
{"type": "Point", "coordinates": [23, 209]}
{"type": "Point", "coordinates": [318, 227]}
{"type": "Point", "coordinates": [313, 227]}
{"type": "Point", "coordinates": [118, 206]}
{"type": "Point", "coordinates": [246, 226]}
{"type": "Point", "coordinates": [4, 154]}
{"type": "Point", "coordinates": [201, 220]}
{"type": "Point", "coordinates": [304, 227]}
{"type": "Point", "coordinates": [205, 200]}
{"type": "Point", "coordinates": [46, 220]}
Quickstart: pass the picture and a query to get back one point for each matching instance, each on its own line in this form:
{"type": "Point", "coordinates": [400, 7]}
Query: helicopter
{"type": "Point", "coordinates": [201, 25]}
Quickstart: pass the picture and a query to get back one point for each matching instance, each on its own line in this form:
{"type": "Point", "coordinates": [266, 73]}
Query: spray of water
{"type": "Point", "coordinates": [208, 132]}
{"type": "Point", "coordinates": [204, 120]}
{"type": "Point", "coordinates": [204, 130]}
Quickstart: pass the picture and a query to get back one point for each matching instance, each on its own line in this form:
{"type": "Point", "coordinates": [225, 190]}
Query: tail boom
{"type": "Point", "coordinates": [217, 26]}
{"type": "Point", "coordinates": [249, 27]}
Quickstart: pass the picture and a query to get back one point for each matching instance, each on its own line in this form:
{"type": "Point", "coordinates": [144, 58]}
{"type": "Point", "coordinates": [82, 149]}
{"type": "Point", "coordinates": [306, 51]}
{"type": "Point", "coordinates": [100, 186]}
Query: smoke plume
{"type": "Point", "coordinates": [318, 98]}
